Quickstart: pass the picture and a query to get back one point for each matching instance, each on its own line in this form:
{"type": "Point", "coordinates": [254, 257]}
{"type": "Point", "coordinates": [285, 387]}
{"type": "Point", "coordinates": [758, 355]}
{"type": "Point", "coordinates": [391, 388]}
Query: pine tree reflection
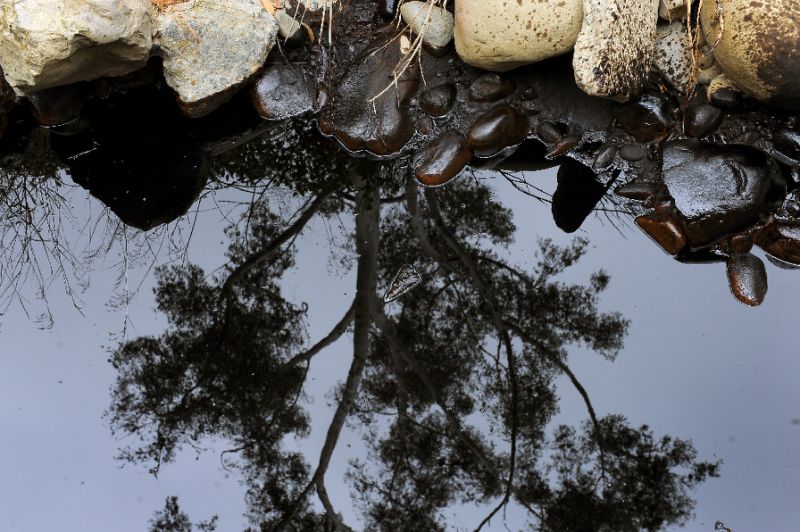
{"type": "Point", "coordinates": [453, 385]}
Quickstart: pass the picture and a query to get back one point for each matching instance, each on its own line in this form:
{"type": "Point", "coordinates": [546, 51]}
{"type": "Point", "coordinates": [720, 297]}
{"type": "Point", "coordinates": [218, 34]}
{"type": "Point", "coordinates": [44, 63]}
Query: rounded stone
{"type": "Point", "coordinates": [500, 38]}
{"type": "Point", "coordinates": [747, 277]}
{"type": "Point", "coordinates": [490, 87]}
{"type": "Point", "coordinates": [441, 160]}
{"type": "Point", "coordinates": [496, 130]}
{"type": "Point", "coordinates": [757, 47]}
{"type": "Point", "coordinates": [439, 100]}
{"type": "Point", "coordinates": [701, 120]}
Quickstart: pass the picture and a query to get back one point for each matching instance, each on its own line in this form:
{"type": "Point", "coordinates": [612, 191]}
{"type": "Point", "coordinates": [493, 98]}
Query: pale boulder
{"type": "Point", "coordinates": [47, 43]}
{"type": "Point", "coordinates": [759, 48]}
{"type": "Point", "coordinates": [520, 32]}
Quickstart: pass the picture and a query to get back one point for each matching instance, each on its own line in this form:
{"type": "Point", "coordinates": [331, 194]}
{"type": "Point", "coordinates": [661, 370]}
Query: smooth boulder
{"type": "Point", "coordinates": [212, 48]}
{"type": "Point", "coordinates": [46, 43]}
{"type": "Point", "coordinates": [758, 47]}
{"type": "Point", "coordinates": [502, 37]}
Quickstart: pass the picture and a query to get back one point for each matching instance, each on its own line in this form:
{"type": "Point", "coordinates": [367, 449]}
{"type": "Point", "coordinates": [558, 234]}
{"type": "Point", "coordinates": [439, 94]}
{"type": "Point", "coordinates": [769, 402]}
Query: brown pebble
{"type": "Point", "coordinates": [442, 159]}
{"type": "Point", "coordinates": [496, 130]}
{"type": "Point", "coordinates": [701, 120]}
{"type": "Point", "coordinates": [439, 100]}
{"type": "Point", "coordinates": [549, 132]}
{"type": "Point", "coordinates": [664, 230]}
{"type": "Point", "coordinates": [563, 147]}
{"type": "Point", "coordinates": [747, 277]}
{"type": "Point", "coordinates": [604, 158]}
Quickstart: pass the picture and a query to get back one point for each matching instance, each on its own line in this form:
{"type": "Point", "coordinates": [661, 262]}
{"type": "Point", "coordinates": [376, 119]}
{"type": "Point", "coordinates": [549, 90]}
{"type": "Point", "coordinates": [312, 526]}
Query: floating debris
{"type": "Point", "coordinates": [719, 526]}
{"type": "Point", "coordinates": [405, 280]}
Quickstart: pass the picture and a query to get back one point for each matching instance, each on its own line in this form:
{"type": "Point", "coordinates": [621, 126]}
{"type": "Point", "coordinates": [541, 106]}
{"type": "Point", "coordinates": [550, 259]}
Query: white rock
{"type": "Point", "coordinates": [674, 56]}
{"type": "Point", "coordinates": [759, 48]}
{"type": "Point", "coordinates": [616, 47]}
{"type": "Point", "coordinates": [499, 38]}
{"type": "Point", "coordinates": [432, 22]}
{"type": "Point", "coordinates": [47, 43]}
{"type": "Point", "coordinates": [212, 48]}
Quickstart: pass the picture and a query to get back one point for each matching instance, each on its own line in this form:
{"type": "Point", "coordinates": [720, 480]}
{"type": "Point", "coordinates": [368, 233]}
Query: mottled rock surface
{"type": "Point", "coordinates": [212, 48]}
{"type": "Point", "coordinates": [499, 37]}
{"type": "Point", "coordinates": [616, 46]}
{"type": "Point", "coordinates": [44, 43]}
{"type": "Point", "coordinates": [674, 56]}
{"type": "Point", "coordinates": [759, 48]}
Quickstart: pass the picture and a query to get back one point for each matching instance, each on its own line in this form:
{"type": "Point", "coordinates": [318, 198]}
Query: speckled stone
{"type": "Point", "coordinates": [228, 44]}
{"type": "Point", "coordinates": [759, 49]}
{"type": "Point", "coordinates": [616, 47]}
{"type": "Point", "coordinates": [500, 38]}
{"type": "Point", "coordinates": [674, 56]}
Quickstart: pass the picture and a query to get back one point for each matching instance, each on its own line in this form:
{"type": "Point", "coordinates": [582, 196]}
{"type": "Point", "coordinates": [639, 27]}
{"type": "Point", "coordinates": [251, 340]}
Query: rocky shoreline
{"type": "Point", "coordinates": [613, 91]}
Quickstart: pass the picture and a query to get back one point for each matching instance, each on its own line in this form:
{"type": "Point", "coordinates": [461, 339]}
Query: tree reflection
{"type": "Point", "coordinates": [452, 385]}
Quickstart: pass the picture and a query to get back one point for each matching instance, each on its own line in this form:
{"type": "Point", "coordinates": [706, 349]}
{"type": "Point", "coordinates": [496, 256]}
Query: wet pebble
{"type": "Point", "coordinates": [490, 87]}
{"type": "Point", "coordinates": [496, 130]}
{"type": "Point", "coordinates": [442, 159]}
{"type": "Point", "coordinates": [701, 120]}
{"type": "Point", "coordinates": [281, 92]}
{"type": "Point", "coordinates": [631, 152]}
{"type": "Point", "coordinates": [605, 157]}
{"type": "Point", "coordinates": [747, 277]}
{"type": "Point", "coordinates": [646, 119]}
{"type": "Point", "coordinates": [439, 100]}
{"type": "Point", "coordinates": [550, 132]}
{"type": "Point", "coordinates": [781, 240]}
{"type": "Point", "coordinates": [725, 98]}
{"type": "Point", "coordinates": [563, 147]}
{"type": "Point", "coordinates": [664, 230]}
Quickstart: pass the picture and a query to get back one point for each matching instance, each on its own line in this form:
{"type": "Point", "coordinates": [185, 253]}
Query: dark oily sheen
{"type": "Point", "coordinates": [441, 160]}
{"type": "Point", "coordinates": [646, 119]}
{"type": "Point", "coordinates": [747, 277]}
{"type": "Point", "coordinates": [360, 119]}
{"type": "Point", "coordinates": [665, 231]}
{"type": "Point", "coordinates": [439, 100]}
{"type": "Point", "coordinates": [788, 143]}
{"type": "Point", "coordinates": [496, 130]}
{"type": "Point", "coordinates": [781, 240]}
{"type": "Point", "coordinates": [718, 189]}
{"type": "Point", "coordinates": [281, 92]}
{"type": "Point", "coordinates": [490, 87]}
{"type": "Point", "coordinates": [701, 120]}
